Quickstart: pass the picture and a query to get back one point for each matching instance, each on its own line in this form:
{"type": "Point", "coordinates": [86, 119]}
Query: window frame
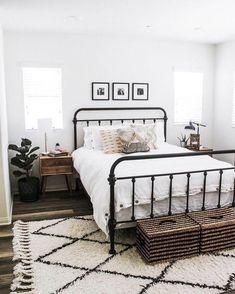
{"type": "Point", "coordinates": [188, 70]}
{"type": "Point", "coordinates": [25, 97]}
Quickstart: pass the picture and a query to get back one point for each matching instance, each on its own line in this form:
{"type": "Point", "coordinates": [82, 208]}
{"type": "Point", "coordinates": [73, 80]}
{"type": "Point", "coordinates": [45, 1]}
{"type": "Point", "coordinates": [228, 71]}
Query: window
{"type": "Point", "coordinates": [188, 88]}
{"type": "Point", "coordinates": [42, 96]}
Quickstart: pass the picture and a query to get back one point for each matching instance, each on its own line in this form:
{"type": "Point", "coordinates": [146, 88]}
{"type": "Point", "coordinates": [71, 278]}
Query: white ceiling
{"type": "Point", "coordinates": [207, 21]}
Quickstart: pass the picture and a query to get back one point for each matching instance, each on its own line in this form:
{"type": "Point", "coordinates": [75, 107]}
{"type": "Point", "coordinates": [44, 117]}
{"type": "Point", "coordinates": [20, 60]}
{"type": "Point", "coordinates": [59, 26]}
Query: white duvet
{"type": "Point", "coordinates": [94, 166]}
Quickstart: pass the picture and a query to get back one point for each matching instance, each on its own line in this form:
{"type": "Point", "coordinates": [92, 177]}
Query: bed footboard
{"type": "Point", "coordinates": [112, 181]}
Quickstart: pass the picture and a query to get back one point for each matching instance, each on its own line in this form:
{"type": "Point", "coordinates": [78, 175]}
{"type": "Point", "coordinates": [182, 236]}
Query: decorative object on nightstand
{"type": "Point", "coordinates": [194, 138]}
{"type": "Point", "coordinates": [24, 159]}
{"type": "Point", "coordinates": [183, 140]}
{"type": "Point", "coordinates": [54, 166]}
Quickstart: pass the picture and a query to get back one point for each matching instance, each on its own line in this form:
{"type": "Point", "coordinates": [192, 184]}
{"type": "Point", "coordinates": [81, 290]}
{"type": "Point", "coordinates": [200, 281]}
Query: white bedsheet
{"type": "Point", "coordinates": [94, 166]}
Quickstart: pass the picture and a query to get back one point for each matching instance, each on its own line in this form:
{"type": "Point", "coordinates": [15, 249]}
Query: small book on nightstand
{"type": "Point", "coordinates": [56, 153]}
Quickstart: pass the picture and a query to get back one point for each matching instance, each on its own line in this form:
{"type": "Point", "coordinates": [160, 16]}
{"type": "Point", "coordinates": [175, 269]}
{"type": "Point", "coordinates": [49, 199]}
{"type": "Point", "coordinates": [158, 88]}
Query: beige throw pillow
{"type": "Point", "coordinates": [111, 142]}
{"type": "Point", "coordinates": [131, 141]}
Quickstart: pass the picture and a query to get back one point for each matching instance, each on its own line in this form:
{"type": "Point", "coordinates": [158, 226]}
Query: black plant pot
{"type": "Point", "coordinates": [29, 189]}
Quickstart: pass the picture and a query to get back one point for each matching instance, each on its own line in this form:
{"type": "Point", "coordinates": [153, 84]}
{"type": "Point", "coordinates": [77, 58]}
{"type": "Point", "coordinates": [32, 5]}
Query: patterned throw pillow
{"type": "Point", "coordinates": [111, 142]}
{"type": "Point", "coordinates": [131, 141]}
{"type": "Point", "coordinates": [146, 133]}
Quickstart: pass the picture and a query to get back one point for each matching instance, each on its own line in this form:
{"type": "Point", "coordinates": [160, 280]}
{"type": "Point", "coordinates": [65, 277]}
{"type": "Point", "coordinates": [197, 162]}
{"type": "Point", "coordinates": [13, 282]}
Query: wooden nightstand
{"type": "Point", "coordinates": [54, 166]}
{"type": "Point", "coordinates": [201, 149]}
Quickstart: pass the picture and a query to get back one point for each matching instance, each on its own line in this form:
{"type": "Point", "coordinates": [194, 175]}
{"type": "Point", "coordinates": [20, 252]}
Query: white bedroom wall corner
{"type": "Point", "coordinates": [211, 105]}
{"type": "Point", "coordinates": [223, 133]}
{"type": "Point", "coordinates": [5, 191]}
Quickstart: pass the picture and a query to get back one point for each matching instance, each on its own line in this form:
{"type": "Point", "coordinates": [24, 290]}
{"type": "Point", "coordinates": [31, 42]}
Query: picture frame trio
{"type": "Point", "coordinates": [120, 91]}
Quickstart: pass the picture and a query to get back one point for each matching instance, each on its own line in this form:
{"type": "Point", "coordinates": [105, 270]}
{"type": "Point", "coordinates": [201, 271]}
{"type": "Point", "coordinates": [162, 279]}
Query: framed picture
{"type": "Point", "coordinates": [195, 141]}
{"type": "Point", "coordinates": [100, 91]}
{"type": "Point", "coordinates": [121, 91]}
{"type": "Point", "coordinates": [140, 91]}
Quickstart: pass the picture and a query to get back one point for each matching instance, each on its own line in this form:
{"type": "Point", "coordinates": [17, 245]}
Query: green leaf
{"type": "Point", "coordinates": [13, 147]}
{"type": "Point", "coordinates": [24, 149]}
{"type": "Point", "coordinates": [28, 167]}
{"type": "Point", "coordinates": [33, 149]}
{"type": "Point", "coordinates": [35, 156]}
{"type": "Point", "coordinates": [25, 142]}
{"type": "Point", "coordinates": [29, 160]}
{"type": "Point", "coordinates": [21, 157]}
{"type": "Point", "coordinates": [18, 173]}
{"type": "Point", "coordinates": [17, 162]}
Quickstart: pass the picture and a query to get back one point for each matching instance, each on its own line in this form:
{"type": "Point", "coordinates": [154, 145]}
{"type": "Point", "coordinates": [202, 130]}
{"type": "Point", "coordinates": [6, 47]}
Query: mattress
{"type": "Point", "coordinates": [94, 166]}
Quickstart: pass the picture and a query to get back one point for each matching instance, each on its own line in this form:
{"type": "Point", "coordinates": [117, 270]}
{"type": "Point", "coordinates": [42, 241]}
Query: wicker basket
{"type": "Point", "coordinates": [217, 228]}
{"type": "Point", "coordinates": [167, 238]}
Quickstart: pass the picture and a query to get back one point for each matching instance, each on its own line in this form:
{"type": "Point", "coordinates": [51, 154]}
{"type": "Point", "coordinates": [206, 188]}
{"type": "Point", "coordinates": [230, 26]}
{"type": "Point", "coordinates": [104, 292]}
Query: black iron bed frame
{"type": "Point", "coordinates": [112, 178]}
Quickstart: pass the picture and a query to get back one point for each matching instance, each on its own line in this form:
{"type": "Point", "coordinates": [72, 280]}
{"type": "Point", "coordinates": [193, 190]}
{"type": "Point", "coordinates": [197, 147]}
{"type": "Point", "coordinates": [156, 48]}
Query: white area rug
{"type": "Point", "coordinates": [70, 256]}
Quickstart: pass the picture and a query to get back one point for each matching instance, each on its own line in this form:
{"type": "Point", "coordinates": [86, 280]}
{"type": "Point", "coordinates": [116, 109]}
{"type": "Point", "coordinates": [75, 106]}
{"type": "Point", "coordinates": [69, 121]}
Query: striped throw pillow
{"type": "Point", "coordinates": [111, 142]}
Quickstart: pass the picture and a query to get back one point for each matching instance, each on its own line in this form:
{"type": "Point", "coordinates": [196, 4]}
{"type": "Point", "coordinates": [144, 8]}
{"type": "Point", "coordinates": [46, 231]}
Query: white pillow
{"type": "Point", "coordinates": [92, 137]}
{"type": "Point", "coordinates": [88, 137]}
{"type": "Point", "coordinates": [159, 128]}
{"type": "Point", "coordinates": [160, 132]}
{"type": "Point", "coordinates": [146, 133]}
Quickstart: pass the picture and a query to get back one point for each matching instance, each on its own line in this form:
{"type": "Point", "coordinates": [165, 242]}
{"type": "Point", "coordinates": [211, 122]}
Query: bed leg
{"type": "Point", "coordinates": [112, 221]}
{"type": "Point", "coordinates": [112, 237]}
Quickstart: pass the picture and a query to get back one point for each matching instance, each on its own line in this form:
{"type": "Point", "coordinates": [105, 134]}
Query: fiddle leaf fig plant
{"type": "Point", "coordinates": [24, 157]}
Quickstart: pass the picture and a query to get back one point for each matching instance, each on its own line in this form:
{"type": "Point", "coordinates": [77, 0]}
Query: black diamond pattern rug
{"type": "Point", "coordinates": [70, 256]}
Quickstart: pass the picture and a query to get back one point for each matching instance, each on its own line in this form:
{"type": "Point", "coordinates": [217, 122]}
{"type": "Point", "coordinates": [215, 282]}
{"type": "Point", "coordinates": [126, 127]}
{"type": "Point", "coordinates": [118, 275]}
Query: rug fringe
{"type": "Point", "coordinates": [23, 281]}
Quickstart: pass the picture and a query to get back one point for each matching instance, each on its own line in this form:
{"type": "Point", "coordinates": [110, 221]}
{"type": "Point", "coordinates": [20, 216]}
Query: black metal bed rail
{"type": "Point", "coordinates": [173, 174]}
{"type": "Point", "coordinates": [112, 180]}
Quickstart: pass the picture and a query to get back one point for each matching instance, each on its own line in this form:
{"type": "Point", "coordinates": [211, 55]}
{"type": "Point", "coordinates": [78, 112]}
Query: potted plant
{"type": "Point", "coordinates": [29, 187]}
{"type": "Point", "coordinates": [183, 140]}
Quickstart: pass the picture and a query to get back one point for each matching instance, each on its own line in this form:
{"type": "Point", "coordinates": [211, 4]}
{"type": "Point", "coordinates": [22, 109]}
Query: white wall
{"type": "Point", "coordinates": [85, 59]}
{"type": "Point", "coordinates": [224, 134]}
{"type": "Point", "coordinates": [5, 194]}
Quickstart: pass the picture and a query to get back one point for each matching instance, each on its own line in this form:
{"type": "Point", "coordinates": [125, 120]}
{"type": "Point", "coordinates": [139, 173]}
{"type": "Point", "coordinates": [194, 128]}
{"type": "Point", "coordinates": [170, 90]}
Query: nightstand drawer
{"type": "Point", "coordinates": [56, 170]}
{"type": "Point", "coordinates": [53, 162]}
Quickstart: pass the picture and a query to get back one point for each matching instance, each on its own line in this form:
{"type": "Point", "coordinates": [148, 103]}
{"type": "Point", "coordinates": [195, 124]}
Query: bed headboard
{"type": "Point", "coordinates": [155, 113]}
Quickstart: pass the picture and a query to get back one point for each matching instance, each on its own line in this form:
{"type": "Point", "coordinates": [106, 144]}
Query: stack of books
{"type": "Point", "coordinates": [59, 152]}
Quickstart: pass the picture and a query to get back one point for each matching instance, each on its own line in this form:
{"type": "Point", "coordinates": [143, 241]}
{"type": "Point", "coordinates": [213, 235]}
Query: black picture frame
{"type": "Point", "coordinates": [125, 94]}
{"type": "Point", "coordinates": [142, 96]}
{"type": "Point", "coordinates": [95, 94]}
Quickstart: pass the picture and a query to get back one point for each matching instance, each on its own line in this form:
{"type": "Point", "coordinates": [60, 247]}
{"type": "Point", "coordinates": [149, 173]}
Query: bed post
{"type": "Point", "coordinates": [112, 221]}
{"type": "Point", "coordinates": [75, 132]}
{"type": "Point", "coordinates": [165, 124]}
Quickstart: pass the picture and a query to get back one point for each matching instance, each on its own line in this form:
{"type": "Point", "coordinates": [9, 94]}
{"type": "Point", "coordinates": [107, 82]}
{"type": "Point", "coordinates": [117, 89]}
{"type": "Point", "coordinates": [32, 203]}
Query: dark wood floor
{"type": "Point", "coordinates": [52, 205]}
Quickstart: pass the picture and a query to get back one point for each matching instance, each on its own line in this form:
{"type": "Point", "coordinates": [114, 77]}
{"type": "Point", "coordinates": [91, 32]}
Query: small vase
{"type": "Point", "coordinates": [182, 144]}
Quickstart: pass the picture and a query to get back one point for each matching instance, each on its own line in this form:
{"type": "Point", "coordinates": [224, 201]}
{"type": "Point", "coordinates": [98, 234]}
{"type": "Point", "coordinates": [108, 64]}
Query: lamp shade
{"type": "Point", "coordinates": [190, 126]}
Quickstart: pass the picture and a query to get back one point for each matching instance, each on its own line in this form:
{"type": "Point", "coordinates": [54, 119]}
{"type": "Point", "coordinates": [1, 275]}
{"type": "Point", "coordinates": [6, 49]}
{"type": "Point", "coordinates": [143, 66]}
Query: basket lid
{"type": "Point", "coordinates": [163, 225]}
